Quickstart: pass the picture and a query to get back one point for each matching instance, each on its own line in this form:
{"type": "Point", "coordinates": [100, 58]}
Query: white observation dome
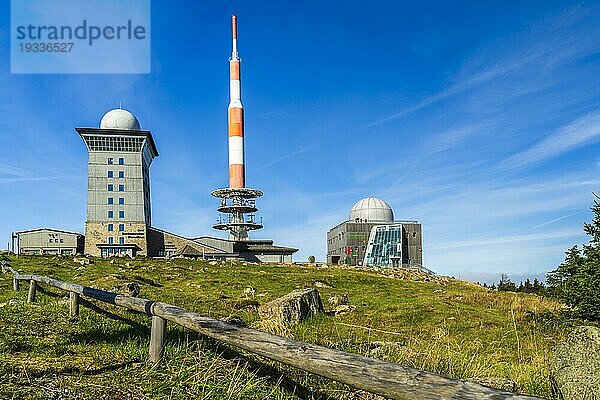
{"type": "Point", "coordinates": [119, 119]}
{"type": "Point", "coordinates": [372, 209]}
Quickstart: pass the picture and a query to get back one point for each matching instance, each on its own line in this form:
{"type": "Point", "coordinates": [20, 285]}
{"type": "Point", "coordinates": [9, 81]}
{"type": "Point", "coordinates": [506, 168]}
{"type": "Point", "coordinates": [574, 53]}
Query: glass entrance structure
{"type": "Point", "coordinates": [384, 248]}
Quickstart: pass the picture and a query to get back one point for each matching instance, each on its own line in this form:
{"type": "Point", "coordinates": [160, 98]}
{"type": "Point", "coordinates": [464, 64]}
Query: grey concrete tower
{"type": "Point", "coordinates": [118, 206]}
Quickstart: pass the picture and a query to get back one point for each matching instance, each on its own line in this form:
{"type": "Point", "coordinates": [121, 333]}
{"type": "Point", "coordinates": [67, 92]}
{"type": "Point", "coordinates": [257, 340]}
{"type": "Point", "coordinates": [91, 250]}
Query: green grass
{"type": "Point", "coordinates": [458, 329]}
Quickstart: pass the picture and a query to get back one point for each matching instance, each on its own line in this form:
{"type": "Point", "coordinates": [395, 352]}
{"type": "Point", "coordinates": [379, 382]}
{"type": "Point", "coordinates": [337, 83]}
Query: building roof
{"type": "Point", "coordinates": [211, 237]}
{"type": "Point", "coordinates": [272, 249]}
{"type": "Point", "coordinates": [258, 246]}
{"type": "Point", "coordinates": [48, 229]}
{"type": "Point", "coordinates": [120, 132]}
{"type": "Point", "coordinates": [193, 242]}
{"type": "Point", "coordinates": [371, 209]}
{"type": "Point", "coordinates": [374, 223]}
{"type": "Point", "coordinates": [190, 251]}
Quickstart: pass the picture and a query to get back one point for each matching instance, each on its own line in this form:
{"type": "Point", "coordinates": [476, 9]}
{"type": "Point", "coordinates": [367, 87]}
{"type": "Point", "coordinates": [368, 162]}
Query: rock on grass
{"type": "Point", "coordinates": [575, 369]}
{"type": "Point", "coordinates": [293, 307]}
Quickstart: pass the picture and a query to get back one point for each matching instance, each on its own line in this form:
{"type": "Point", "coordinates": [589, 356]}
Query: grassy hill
{"type": "Point", "coordinates": [453, 328]}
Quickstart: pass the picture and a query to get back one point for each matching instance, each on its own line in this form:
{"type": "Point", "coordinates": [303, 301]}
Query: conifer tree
{"type": "Point", "coordinates": [577, 280]}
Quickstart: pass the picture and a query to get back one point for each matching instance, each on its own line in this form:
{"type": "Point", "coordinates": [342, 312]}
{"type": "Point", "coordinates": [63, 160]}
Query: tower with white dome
{"type": "Point", "coordinates": [118, 206]}
{"type": "Point", "coordinates": [372, 237]}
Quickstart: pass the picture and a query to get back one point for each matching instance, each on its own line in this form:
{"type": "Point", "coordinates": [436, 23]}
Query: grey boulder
{"type": "Point", "coordinates": [575, 368]}
{"type": "Point", "coordinates": [293, 307]}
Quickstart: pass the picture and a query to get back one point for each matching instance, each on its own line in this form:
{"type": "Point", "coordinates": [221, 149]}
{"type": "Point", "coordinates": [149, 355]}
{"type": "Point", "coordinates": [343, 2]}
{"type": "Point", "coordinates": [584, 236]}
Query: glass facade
{"type": "Point", "coordinates": [116, 251]}
{"type": "Point", "coordinates": [385, 246]}
{"type": "Point", "coordinates": [115, 143]}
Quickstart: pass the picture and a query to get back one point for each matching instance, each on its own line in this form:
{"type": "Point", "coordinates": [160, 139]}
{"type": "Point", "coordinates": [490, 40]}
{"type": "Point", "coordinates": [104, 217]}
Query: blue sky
{"type": "Point", "coordinates": [479, 119]}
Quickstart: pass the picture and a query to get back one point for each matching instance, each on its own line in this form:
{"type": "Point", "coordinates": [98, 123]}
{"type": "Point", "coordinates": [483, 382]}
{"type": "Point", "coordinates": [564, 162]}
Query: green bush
{"type": "Point", "coordinates": [577, 280]}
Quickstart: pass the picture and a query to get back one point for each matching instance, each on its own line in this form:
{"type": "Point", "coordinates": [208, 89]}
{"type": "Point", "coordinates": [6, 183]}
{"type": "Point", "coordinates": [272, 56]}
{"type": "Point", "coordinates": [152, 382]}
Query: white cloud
{"type": "Point", "coordinates": [578, 133]}
{"type": "Point", "coordinates": [556, 220]}
{"type": "Point", "coordinates": [502, 240]}
{"type": "Point", "coordinates": [550, 44]}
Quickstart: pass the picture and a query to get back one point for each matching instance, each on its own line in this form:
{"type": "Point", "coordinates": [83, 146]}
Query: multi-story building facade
{"type": "Point", "coordinates": [118, 207]}
{"type": "Point", "coordinates": [372, 237]}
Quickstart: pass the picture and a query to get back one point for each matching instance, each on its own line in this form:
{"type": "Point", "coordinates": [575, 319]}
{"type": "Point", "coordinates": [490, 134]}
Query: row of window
{"type": "Point", "coordinates": [111, 161]}
{"type": "Point", "coordinates": [48, 251]}
{"type": "Point", "coordinates": [111, 227]}
{"type": "Point", "coordinates": [111, 214]}
{"type": "Point", "coordinates": [55, 240]}
{"type": "Point", "coordinates": [111, 200]}
{"type": "Point", "coordinates": [113, 251]}
{"type": "Point", "coordinates": [111, 188]}
{"type": "Point", "coordinates": [103, 143]}
{"type": "Point", "coordinates": [111, 240]}
{"type": "Point", "coordinates": [111, 174]}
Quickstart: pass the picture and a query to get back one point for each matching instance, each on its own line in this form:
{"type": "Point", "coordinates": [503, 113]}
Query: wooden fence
{"type": "Point", "coordinates": [391, 380]}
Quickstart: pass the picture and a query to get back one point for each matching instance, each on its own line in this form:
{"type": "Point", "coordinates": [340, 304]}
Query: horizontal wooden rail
{"type": "Point", "coordinates": [384, 378]}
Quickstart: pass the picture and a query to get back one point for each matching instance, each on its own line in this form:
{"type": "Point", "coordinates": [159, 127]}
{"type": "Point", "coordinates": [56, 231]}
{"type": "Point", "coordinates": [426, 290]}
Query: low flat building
{"type": "Point", "coordinates": [260, 251]}
{"type": "Point", "coordinates": [371, 237]}
{"type": "Point", "coordinates": [49, 241]}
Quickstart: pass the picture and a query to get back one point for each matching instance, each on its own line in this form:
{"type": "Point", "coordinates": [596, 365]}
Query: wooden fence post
{"type": "Point", "coordinates": [157, 338]}
{"type": "Point", "coordinates": [16, 284]}
{"type": "Point", "coordinates": [390, 380]}
{"type": "Point", "coordinates": [73, 305]}
{"type": "Point", "coordinates": [31, 295]}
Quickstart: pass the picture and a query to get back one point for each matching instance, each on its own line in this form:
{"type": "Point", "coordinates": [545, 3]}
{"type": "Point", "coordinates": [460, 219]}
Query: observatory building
{"type": "Point", "coordinates": [371, 237]}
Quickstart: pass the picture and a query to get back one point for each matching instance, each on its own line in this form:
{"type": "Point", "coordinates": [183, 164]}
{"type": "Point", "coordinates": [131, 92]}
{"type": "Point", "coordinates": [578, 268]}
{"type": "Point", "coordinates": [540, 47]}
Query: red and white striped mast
{"type": "Point", "coordinates": [237, 175]}
{"type": "Point", "coordinates": [237, 200]}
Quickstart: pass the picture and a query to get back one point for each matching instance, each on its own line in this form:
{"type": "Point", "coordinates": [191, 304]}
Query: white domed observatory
{"type": "Point", "coordinates": [371, 237]}
{"type": "Point", "coordinates": [371, 209]}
